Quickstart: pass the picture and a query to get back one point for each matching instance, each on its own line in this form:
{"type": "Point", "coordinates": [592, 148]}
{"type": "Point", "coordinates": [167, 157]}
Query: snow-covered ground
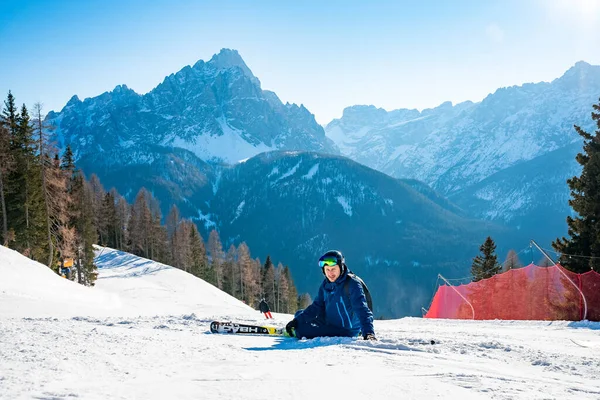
{"type": "Point", "coordinates": [142, 332]}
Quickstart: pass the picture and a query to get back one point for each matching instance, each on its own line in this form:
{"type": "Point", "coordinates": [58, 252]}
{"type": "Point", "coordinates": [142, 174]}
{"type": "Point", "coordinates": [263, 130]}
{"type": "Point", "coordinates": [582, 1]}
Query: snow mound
{"type": "Point", "coordinates": [31, 289]}
{"type": "Point", "coordinates": [147, 287]}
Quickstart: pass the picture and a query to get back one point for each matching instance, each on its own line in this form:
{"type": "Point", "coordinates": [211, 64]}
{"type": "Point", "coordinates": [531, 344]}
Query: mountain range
{"type": "Point", "coordinates": [406, 194]}
{"type": "Point", "coordinates": [505, 159]}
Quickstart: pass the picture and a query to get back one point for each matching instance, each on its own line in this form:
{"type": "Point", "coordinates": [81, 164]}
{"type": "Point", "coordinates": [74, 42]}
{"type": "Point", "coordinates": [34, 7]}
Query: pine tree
{"type": "Point", "coordinates": [268, 282]}
{"type": "Point", "coordinates": [34, 234]}
{"type": "Point", "coordinates": [584, 229]}
{"type": "Point", "coordinates": [292, 297]}
{"type": "Point", "coordinates": [199, 260]}
{"type": "Point", "coordinates": [140, 225]}
{"type": "Point", "coordinates": [110, 222]}
{"type": "Point", "coordinates": [15, 179]}
{"type": "Point", "coordinates": [123, 214]}
{"type": "Point", "coordinates": [98, 193]}
{"type": "Point", "coordinates": [172, 221]}
{"type": "Point", "coordinates": [6, 166]}
{"type": "Point", "coordinates": [87, 233]}
{"type": "Point", "coordinates": [283, 287]}
{"type": "Point", "coordinates": [249, 275]}
{"type": "Point", "coordinates": [215, 248]}
{"type": "Point", "coordinates": [182, 256]}
{"type": "Point", "coordinates": [229, 271]}
{"type": "Point", "coordinates": [160, 243]}
{"type": "Point", "coordinates": [74, 196]}
{"type": "Point", "coordinates": [485, 265]}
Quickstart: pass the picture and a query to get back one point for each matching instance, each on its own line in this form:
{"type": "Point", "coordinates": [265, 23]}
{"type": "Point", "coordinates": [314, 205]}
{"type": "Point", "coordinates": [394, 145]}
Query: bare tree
{"type": "Point", "coordinates": [512, 261]}
{"type": "Point", "coordinates": [54, 192]}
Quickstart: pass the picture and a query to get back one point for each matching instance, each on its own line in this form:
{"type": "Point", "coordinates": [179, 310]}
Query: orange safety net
{"type": "Point", "coordinates": [532, 292]}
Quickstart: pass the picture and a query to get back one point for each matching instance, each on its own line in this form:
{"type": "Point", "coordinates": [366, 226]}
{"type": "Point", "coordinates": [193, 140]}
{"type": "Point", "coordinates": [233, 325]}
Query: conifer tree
{"type": "Point", "coordinates": [584, 229]}
{"type": "Point", "coordinates": [172, 221]}
{"type": "Point", "coordinates": [215, 249]}
{"type": "Point", "coordinates": [140, 225]}
{"type": "Point", "coordinates": [73, 208]}
{"type": "Point", "coordinates": [283, 287]}
{"type": "Point", "coordinates": [110, 222]}
{"type": "Point", "coordinates": [199, 260]}
{"type": "Point", "coordinates": [6, 166]}
{"type": "Point", "coordinates": [182, 255]}
{"type": "Point", "coordinates": [98, 193]}
{"type": "Point", "coordinates": [88, 237]}
{"type": "Point", "coordinates": [249, 275]}
{"type": "Point", "coordinates": [123, 210]}
{"type": "Point", "coordinates": [485, 265]}
{"type": "Point", "coordinates": [15, 179]}
{"type": "Point", "coordinates": [292, 295]}
{"type": "Point", "coordinates": [229, 271]}
{"type": "Point", "coordinates": [31, 156]}
{"type": "Point", "coordinates": [160, 243]}
{"type": "Point", "coordinates": [268, 282]}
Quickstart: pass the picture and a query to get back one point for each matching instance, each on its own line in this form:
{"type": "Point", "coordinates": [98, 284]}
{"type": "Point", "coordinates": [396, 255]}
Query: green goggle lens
{"type": "Point", "coordinates": [328, 262]}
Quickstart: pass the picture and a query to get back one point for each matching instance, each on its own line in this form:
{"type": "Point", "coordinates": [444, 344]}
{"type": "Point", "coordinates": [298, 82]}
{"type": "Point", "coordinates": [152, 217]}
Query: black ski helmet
{"type": "Point", "coordinates": [333, 255]}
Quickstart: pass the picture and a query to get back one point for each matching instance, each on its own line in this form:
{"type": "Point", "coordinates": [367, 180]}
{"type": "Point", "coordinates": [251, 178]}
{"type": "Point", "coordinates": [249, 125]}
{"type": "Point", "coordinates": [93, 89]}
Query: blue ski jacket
{"type": "Point", "coordinates": [333, 306]}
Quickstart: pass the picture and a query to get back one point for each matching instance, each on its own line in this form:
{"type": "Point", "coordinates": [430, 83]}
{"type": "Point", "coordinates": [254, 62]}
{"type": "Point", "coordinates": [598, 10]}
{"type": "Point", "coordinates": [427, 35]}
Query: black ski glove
{"type": "Point", "coordinates": [369, 336]}
{"type": "Point", "coordinates": [291, 327]}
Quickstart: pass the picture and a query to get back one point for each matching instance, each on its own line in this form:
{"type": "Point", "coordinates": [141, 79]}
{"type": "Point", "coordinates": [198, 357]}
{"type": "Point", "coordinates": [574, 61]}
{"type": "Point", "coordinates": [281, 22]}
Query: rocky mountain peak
{"type": "Point", "coordinates": [225, 60]}
{"type": "Point", "coordinates": [581, 76]}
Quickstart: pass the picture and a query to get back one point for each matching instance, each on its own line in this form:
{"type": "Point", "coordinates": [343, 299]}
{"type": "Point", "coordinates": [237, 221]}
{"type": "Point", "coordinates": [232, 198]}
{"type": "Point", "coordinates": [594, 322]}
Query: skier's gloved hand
{"type": "Point", "coordinates": [369, 336]}
{"type": "Point", "coordinates": [291, 327]}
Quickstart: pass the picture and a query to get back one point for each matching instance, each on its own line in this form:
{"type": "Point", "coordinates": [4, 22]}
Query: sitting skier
{"type": "Point", "coordinates": [340, 308]}
{"type": "Point", "coordinates": [264, 308]}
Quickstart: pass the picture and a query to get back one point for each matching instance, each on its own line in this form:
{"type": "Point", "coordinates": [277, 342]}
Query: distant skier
{"type": "Point", "coordinates": [340, 308]}
{"type": "Point", "coordinates": [264, 308]}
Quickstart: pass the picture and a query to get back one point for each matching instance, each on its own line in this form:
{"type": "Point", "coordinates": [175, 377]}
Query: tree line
{"type": "Point", "coordinates": [44, 201]}
{"type": "Point", "coordinates": [51, 213]}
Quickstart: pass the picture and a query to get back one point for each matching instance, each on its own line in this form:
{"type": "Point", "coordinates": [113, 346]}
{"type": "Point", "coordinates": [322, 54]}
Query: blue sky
{"type": "Point", "coordinates": [327, 55]}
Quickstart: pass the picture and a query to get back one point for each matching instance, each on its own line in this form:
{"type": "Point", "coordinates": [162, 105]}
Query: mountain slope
{"type": "Point", "coordinates": [297, 205]}
{"type": "Point", "coordinates": [525, 195]}
{"type": "Point", "coordinates": [162, 349]}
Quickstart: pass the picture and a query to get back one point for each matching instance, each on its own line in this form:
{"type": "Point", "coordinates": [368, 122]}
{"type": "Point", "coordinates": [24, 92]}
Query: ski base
{"type": "Point", "coordinates": [231, 327]}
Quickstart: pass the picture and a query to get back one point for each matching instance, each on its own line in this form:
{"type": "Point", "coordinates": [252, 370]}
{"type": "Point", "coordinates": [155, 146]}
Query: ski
{"type": "Point", "coordinates": [231, 327]}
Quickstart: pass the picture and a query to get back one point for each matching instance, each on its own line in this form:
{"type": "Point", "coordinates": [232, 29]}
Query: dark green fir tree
{"type": "Point", "coordinates": [581, 251]}
{"type": "Point", "coordinates": [486, 264]}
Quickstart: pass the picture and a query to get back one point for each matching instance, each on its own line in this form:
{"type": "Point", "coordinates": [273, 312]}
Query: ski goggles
{"type": "Point", "coordinates": [328, 262]}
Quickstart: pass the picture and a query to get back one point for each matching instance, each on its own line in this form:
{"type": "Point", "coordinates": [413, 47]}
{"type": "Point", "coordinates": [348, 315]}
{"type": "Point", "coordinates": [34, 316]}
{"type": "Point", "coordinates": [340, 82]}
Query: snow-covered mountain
{"type": "Point", "coordinates": [169, 139]}
{"type": "Point", "coordinates": [215, 109]}
{"type": "Point", "coordinates": [453, 148]}
{"type": "Point", "coordinates": [142, 332]}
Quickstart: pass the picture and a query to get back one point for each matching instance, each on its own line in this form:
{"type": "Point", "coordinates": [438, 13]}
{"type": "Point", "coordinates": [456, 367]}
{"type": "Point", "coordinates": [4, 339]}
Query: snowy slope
{"type": "Point", "coordinates": [155, 345]}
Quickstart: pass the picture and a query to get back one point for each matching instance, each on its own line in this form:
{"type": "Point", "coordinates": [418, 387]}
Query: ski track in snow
{"type": "Point", "coordinates": [138, 354]}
